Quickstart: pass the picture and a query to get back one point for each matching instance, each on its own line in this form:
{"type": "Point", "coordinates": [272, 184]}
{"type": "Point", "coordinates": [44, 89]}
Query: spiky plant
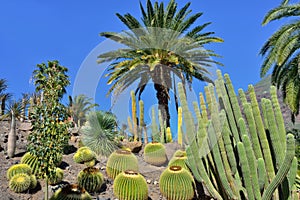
{"type": "Point", "coordinates": [179, 159]}
{"type": "Point", "coordinates": [176, 183]}
{"type": "Point", "coordinates": [130, 185]}
{"type": "Point", "coordinates": [119, 161]}
{"type": "Point", "coordinates": [20, 183]}
{"type": "Point", "coordinates": [33, 182]}
{"type": "Point", "coordinates": [99, 132]}
{"type": "Point", "coordinates": [71, 192]}
{"type": "Point", "coordinates": [59, 175]}
{"type": "Point", "coordinates": [155, 154]}
{"type": "Point", "coordinates": [84, 155]}
{"type": "Point", "coordinates": [91, 179]}
{"type": "Point", "coordinates": [18, 169]}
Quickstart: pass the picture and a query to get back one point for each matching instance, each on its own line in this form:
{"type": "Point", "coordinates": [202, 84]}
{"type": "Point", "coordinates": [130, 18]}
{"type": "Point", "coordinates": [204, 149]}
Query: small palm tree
{"type": "Point", "coordinates": [14, 112]}
{"type": "Point", "coordinates": [281, 52]}
{"type": "Point", "coordinates": [3, 96]}
{"type": "Point", "coordinates": [99, 132]}
{"type": "Point", "coordinates": [79, 107]}
{"type": "Point", "coordinates": [157, 48]}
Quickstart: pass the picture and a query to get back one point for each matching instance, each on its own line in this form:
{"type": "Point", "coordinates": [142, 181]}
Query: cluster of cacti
{"type": "Point", "coordinates": [130, 185]}
{"type": "Point", "coordinates": [58, 176]}
{"type": "Point", "coordinates": [238, 150]}
{"type": "Point", "coordinates": [32, 161]}
{"type": "Point", "coordinates": [119, 161]}
{"type": "Point", "coordinates": [71, 192]}
{"type": "Point", "coordinates": [177, 183]}
{"type": "Point", "coordinates": [155, 153]}
{"type": "Point", "coordinates": [21, 178]}
{"type": "Point", "coordinates": [91, 179]}
{"type": "Point", "coordinates": [179, 159]}
{"type": "Point", "coordinates": [85, 155]}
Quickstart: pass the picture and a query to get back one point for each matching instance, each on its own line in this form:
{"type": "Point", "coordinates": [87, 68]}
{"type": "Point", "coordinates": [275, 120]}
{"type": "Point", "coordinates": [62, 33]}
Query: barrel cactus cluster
{"type": "Point", "coordinates": [239, 149]}
{"type": "Point", "coordinates": [86, 156]}
{"type": "Point", "coordinates": [21, 178]}
{"type": "Point", "coordinates": [179, 159]}
{"type": "Point", "coordinates": [91, 179]}
{"type": "Point", "coordinates": [71, 192]}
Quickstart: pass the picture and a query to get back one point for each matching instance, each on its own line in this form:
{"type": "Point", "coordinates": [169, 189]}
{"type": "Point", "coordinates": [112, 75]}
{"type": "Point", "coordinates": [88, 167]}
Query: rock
{"type": "Point", "coordinates": [102, 168]}
{"type": "Point", "coordinates": [25, 126]}
{"type": "Point", "coordinates": [74, 138]}
{"type": "Point", "coordinates": [155, 182]}
{"type": "Point", "coordinates": [135, 147]}
{"type": "Point", "coordinates": [148, 181]}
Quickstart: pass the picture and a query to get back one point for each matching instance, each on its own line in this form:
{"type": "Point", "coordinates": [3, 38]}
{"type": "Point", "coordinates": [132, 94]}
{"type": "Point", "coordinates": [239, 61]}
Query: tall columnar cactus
{"type": "Point", "coordinates": [71, 192]}
{"type": "Point", "coordinates": [179, 126]}
{"type": "Point", "coordinates": [169, 135]}
{"type": "Point", "coordinates": [91, 179]}
{"type": "Point", "coordinates": [231, 127]}
{"type": "Point", "coordinates": [143, 128]}
{"type": "Point", "coordinates": [119, 161]}
{"type": "Point", "coordinates": [162, 127]}
{"type": "Point", "coordinates": [154, 127]}
{"type": "Point", "coordinates": [155, 154]}
{"type": "Point", "coordinates": [176, 183]}
{"type": "Point", "coordinates": [134, 116]}
{"type": "Point", "coordinates": [130, 185]}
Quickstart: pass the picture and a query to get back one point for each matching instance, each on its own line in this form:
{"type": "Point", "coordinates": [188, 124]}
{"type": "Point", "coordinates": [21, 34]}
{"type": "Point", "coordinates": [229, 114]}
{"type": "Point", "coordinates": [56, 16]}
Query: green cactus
{"type": "Point", "coordinates": [155, 136]}
{"type": "Point", "coordinates": [176, 183]}
{"type": "Point", "coordinates": [142, 122]}
{"type": "Point", "coordinates": [58, 177]}
{"type": "Point", "coordinates": [33, 182]}
{"type": "Point", "coordinates": [261, 172]}
{"type": "Point", "coordinates": [179, 158]}
{"type": "Point", "coordinates": [18, 169]}
{"type": "Point", "coordinates": [71, 192]}
{"type": "Point", "coordinates": [32, 161]}
{"type": "Point", "coordinates": [130, 185]}
{"type": "Point", "coordinates": [20, 183]}
{"type": "Point", "coordinates": [155, 154]}
{"type": "Point", "coordinates": [169, 135]}
{"type": "Point", "coordinates": [119, 161]}
{"type": "Point", "coordinates": [179, 127]}
{"type": "Point", "coordinates": [134, 116]}
{"type": "Point", "coordinates": [84, 155]}
{"type": "Point", "coordinates": [91, 179]}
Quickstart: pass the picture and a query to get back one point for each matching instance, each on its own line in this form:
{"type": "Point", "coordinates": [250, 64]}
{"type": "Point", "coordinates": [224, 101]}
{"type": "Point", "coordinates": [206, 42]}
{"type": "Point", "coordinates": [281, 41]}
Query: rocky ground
{"type": "Point", "coordinates": [71, 169]}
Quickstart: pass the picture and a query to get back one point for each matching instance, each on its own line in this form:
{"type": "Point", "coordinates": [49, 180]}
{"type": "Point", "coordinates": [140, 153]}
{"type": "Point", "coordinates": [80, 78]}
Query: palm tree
{"type": "Point", "coordinates": [158, 47]}
{"type": "Point", "coordinates": [99, 132]}
{"type": "Point", "coordinates": [281, 52]}
{"type": "Point", "coordinates": [14, 112]}
{"type": "Point", "coordinates": [79, 107]}
{"type": "Point", "coordinates": [3, 96]}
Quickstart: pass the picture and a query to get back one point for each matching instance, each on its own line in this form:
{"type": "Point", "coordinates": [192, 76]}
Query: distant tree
{"type": "Point", "coordinates": [4, 97]}
{"type": "Point", "coordinates": [79, 107]}
{"type": "Point", "coordinates": [281, 54]}
{"type": "Point", "coordinates": [14, 112]}
{"type": "Point", "coordinates": [49, 131]}
{"type": "Point", "coordinates": [157, 47]}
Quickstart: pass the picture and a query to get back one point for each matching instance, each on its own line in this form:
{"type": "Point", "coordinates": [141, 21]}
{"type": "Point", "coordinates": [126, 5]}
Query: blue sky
{"type": "Point", "coordinates": [35, 31]}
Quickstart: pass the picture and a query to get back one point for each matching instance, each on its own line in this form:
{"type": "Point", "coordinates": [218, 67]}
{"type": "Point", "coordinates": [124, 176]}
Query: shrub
{"type": "Point", "coordinates": [130, 185]}
{"type": "Point", "coordinates": [119, 161]}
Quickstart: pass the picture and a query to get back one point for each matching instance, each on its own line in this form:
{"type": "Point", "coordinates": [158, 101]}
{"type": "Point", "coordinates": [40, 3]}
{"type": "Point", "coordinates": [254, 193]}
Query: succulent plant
{"type": "Point", "coordinates": [91, 179]}
{"type": "Point", "coordinates": [20, 182]}
{"type": "Point", "coordinates": [176, 183]}
{"type": "Point", "coordinates": [179, 158]}
{"type": "Point", "coordinates": [32, 161]}
{"type": "Point", "coordinates": [58, 177]}
{"type": "Point", "coordinates": [119, 161]}
{"type": "Point", "coordinates": [71, 192]}
{"type": "Point", "coordinates": [155, 154]}
{"type": "Point", "coordinates": [130, 185]}
{"type": "Point", "coordinates": [84, 155]}
{"type": "Point", "coordinates": [18, 169]}
{"type": "Point", "coordinates": [33, 181]}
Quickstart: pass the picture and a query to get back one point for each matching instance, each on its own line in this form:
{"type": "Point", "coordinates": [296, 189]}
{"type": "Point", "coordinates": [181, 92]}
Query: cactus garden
{"type": "Point", "coordinates": [173, 126]}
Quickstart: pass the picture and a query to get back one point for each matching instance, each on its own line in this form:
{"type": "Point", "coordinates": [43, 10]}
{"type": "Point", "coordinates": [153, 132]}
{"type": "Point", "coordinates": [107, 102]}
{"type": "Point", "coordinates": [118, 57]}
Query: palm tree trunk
{"type": "Point", "coordinates": [3, 104]}
{"type": "Point", "coordinates": [11, 143]}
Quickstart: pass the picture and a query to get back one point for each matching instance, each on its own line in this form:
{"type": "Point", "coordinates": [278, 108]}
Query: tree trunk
{"type": "Point", "coordinates": [11, 143]}
{"type": "Point", "coordinates": [3, 104]}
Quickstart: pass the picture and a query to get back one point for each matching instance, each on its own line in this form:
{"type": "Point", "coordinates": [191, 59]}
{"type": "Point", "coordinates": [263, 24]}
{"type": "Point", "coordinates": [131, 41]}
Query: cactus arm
{"type": "Point", "coordinates": [262, 134]}
{"type": "Point", "coordinates": [179, 126]}
{"type": "Point", "coordinates": [169, 134]}
{"type": "Point", "coordinates": [278, 116]}
{"type": "Point", "coordinates": [252, 166]}
{"type": "Point", "coordinates": [134, 116]}
{"type": "Point", "coordinates": [242, 96]}
{"type": "Point", "coordinates": [265, 115]}
{"type": "Point", "coordinates": [142, 121]}
{"type": "Point", "coordinates": [284, 168]}
{"type": "Point", "coordinates": [229, 149]}
{"type": "Point", "coordinates": [245, 170]}
{"type": "Point", "coordinates": [292, 174]}
{"type": "Point", "coordinates": [203, 108]}
{"type": "Point", "coordinates": [261, 172]}
{"type": "Point", "coordinates": [154, 128]}
{"type": "Point", "coordinates": [161, 126]}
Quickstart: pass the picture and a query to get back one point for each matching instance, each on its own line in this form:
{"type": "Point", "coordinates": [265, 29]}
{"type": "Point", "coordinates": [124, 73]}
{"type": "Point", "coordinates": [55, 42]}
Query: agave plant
{"type": "Point", "coordinates": [99, 133]}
